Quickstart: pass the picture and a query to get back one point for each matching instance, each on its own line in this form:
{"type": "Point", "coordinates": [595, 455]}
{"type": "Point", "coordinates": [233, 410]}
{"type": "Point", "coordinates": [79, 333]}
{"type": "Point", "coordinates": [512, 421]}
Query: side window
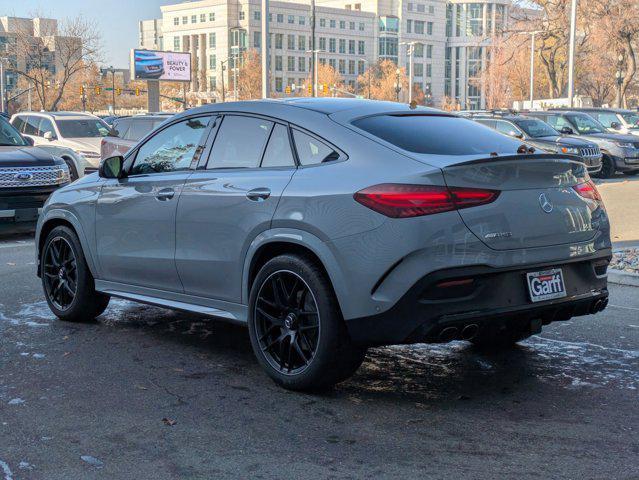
{"type": "Point", "coordinates": [607, 119]}
{"type": "Point", "coordinates": [171, 149]}
{"type": "Point", "coordinates": [557, 121]}
{"type": "Point", "coordinates": [239, 143]}
{"type": "Point", "coordinates": [139, 128]}
{"type": "Point", "coordinates": [487, 123]}
{"type": "Point", "coordinates": [18, 123]}
{"type": "Point", "coordinates": [505, 127]}
{"type": "Point", "coordinates": [122, 127]}
{"type": "Point", "coordinates": [31, 125]}
{"type": "Point", "coordinates": [311, 151]}
{"type": "Point", "coordinates": [45, 126]}
{"type": "Point", "coordinates": [278, 152]}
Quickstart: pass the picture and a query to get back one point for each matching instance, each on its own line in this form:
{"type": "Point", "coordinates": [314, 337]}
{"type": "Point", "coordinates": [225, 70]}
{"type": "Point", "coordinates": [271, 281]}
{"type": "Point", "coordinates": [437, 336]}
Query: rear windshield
{"type": "Point", "coordinates": [438, 135]}
{"type": "Point", "coordinates": [83, 128]}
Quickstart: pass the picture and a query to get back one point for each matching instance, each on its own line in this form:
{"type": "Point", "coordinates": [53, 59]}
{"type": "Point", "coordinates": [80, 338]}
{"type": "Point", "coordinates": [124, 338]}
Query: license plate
{"type": "Point", "coordinates": [546, 285]}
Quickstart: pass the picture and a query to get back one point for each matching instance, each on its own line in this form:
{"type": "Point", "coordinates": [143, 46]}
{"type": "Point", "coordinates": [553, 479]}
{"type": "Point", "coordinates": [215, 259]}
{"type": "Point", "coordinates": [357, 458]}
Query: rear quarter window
{"type": "Point", "coordinates": [437, 135]}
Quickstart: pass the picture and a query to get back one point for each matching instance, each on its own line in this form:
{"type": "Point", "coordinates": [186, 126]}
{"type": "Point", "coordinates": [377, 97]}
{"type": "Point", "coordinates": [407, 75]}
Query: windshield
{"type": "Point", "coordinates": [586, 125]}
{"type": "Point", "coordinates": [536, 128]}
{"type": "Point", "coordinates": [632, 119]}
{"type": "Point", "coordinates": [9, 136]}
{"type": "Point", "coordinates": [437, 135]}
{"type": "Point", "coordinates": [83, 128]}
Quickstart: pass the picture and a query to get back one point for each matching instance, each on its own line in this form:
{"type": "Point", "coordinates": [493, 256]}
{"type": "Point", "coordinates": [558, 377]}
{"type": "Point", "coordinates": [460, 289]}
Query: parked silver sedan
{"type": "Point", "coordinates": [331, 225]}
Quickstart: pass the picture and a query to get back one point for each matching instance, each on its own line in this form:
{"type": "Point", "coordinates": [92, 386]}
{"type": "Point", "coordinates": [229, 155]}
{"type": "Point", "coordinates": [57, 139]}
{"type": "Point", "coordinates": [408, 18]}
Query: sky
{"type": "Point", "coordinates": [117, 20]}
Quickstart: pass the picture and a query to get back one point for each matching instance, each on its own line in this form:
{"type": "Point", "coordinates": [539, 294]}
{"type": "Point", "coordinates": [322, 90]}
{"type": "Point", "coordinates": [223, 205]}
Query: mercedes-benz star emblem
{"type": "Point", "coordinates": [546, 206]}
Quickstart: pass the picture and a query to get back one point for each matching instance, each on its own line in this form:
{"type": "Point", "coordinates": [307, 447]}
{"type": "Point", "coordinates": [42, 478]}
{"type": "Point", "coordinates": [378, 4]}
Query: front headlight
{"type": "Point", "coordinates": [570, 150]}
{"type": "Point", "coordinates": [625, 144]}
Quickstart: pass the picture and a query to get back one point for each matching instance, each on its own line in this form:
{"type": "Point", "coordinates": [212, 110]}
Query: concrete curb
{"type": "Point", "coordinates": [619, 277]}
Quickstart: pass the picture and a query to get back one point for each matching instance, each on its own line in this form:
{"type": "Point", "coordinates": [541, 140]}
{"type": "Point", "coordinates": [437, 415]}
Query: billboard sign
{"type": "Point", "coordinates": [158, 65]}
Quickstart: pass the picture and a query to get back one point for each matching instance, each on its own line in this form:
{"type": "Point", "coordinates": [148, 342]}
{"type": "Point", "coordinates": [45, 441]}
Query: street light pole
{"type": "Point", "coordinates": [410, 48]}
{"type": "Point", "coordinates": [571, 53]}
{"type": "Point", "coordinates": [619, 79]}
{"type": "Point", "coordinates": [398, 87]}
{"type": "Point", "coordinates": [266, 84]}
{"type": "Point", "coordinates": [314, 49]}
{"type": "Point", "coordinates": [2, 87]}
{"type": "Point", "coordinates": [532, 67]}
{"type": "Point", "coordinates": [223, 92]}
{"type": "Point", "coordinates": [113, 87]}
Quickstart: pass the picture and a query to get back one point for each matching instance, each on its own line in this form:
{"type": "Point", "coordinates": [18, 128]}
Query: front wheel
{"type": "Point", "coordinates": [296, 328]}
{"type": "Point", "coordinates": [607, 167]}
{"type": "Point", "coordinates": [68, 285]}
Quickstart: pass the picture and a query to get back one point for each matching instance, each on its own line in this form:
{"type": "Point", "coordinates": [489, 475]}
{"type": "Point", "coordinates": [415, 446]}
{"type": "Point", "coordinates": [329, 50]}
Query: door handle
{"type": "Point", "coordinates": [258, 194]}
{"type": "Point", "coordinates": [165, 194]}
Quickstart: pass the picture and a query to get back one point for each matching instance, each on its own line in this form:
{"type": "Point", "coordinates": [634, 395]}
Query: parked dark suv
{"type": "Point", "coordinates": [542, 136]}
{"type": "Point", "coordinates": [28, 175]}
{"type": "Point", "coordinates": [620, 152]}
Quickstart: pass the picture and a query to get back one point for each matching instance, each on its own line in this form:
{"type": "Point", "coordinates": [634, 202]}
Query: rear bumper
{"type": "Point", "coordinates": [440, 305]}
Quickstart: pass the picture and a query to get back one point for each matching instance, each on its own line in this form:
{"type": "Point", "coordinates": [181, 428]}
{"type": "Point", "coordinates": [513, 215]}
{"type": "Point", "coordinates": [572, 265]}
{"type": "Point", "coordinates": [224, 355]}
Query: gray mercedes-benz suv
{"type": "Point", "coordinates": [331, 225]}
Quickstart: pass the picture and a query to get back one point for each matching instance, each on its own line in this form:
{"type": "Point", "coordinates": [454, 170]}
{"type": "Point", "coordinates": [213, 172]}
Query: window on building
{"type": "Point", "coordinates": [331, 45]}
{"type": "Point", "coordinates": [212, 40]}
{"type": "Point", "coordinates": [410, 7]}
{"type": "Point", "coordinates": [332, 23]}
{"type": "Point", "coordinates": [242, 14]}
{"type": "Point", "coordinates": [418, 50]}
{"type": "Point", "coordinates": [257, 15]}
{"type": "Point", "coordinates": [278, 63]}
{"type": "Point", "coordinates": [351, 25]}
{"type": "Point", "coordinates": [361, 47]}
{"type": "Point", "coordinates": [301, 20]}
{"type": "Point", "coordinates": [322, 22]}
{"type": "Point", "coordinates": [176, 21]}
{"type": "Point", "coordinates": [212, 17]}
{"type": "Point", "coordinates": [342, 66]}
{"type": "Point", "coordinates": [291, 19]}
{"type": "Point", "coordinates": [342, 24]}
{"type": "Point", "coordinates": [361, 65]}
{"type": "Point", "coordinates": [420, 8]}
{"type": "Point", "coordinates": [362, 26]}
{"type": "Point", "coordinates": [429, 28]}
{"type": "Point", "coordinates": [474, 19]}
{"type": "Point", "coordinates": [418, 69]}
{"type": "Point", "coordinates": [351, 47]}
{"type": "Point", "coordinates": [193, 18]}
{"type": "Point", "coordinates": [429, 70]}
{"type": "Point", "coordinates": [301, 43]}
{"type": "Point", "coordinates": [279, 40]}
{"type": "Point", "coordinates": [332, 63]}
{"type": "Point", "coordinates": [351, 67]}
{"type": "Point", "coordinates": [290, 64]}
{"type": "Point", "coordinates": [389, 24]}
{"type": "Point", "coordinates": [301, 64]}
{"type": "Point", "coordinates": [280, 18]}
{"type": "Point", "coordinates": [202, 17]}
{"type": "Point", "coordinates": [213, 83]}
{"type": "Point", "coordinates": [176, 44]}
{"type": "Point", "coordinates": [322, 43]}
{"type": "Point", "coordinates": [431, 9]}
{"type": "Point", "coordinates": [185, 20]}
{"type": "Point", "coordinates": [409, 26]}
{"type": "Point", "coordinates": [429, 51]}
{"type": "Point", "coordinates": [257, 39]}
{"type": "Point", "coordinates": [419, 27]}
{"type": "Point", "coordinates": [278, 83]}
{"type": "Point", "coordinates": [212, 62]}
{"type": "Point", "coordinates": [290, 42]}
{"type": "Point", "coordinates": [342, 45]}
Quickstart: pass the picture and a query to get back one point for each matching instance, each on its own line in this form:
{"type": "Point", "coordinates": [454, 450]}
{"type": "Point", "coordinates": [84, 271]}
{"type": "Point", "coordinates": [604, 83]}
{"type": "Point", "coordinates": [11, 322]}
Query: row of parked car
{"type": "Point", "coordinates": [606, 140]}
{"type": "Point", "coordinates": [42, 151]}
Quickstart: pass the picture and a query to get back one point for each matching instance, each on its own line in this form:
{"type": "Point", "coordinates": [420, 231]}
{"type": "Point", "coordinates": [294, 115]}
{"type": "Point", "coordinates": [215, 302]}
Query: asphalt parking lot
{"type": "Point", "coordinates": [149, 393]}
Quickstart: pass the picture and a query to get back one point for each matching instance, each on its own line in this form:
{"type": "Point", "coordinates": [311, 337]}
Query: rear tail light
{"type": "Point", "coordinates": [403, 201]}
{"type": "Point", "coordinates": [588, 190]}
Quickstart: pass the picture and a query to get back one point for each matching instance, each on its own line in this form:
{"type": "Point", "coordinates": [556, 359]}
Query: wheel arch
{"type": "Point", "coordinates": [280, 241]}
{"type": "Point", "coordinates": [63, 218]}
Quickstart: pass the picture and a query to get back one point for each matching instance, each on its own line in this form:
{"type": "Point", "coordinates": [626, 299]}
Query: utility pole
{"type": "Point", "coordinates": [532, 67]}
{"type": "Point", "coordinates": [314, 50]}
{"type": "Point", "coordinates": [571, 53]}
{"type": "Point", "coordinates": [84, 98]}
{"type": "Point", "coordinates": [398, 86]}
{"type": "Point", "coordinates": [2, 87]}
{"type": "Point", "coordinates": [266, 83]}
{"type": "Point", "coordinates": [224, 68]}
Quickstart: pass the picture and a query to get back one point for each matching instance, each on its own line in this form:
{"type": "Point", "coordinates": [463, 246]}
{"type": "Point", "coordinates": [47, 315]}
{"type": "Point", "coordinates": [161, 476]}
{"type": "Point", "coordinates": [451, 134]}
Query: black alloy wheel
{"type": "Point", "coordinates": [287, 322]}
{"type": "Point", "coordinates": [60, 273]}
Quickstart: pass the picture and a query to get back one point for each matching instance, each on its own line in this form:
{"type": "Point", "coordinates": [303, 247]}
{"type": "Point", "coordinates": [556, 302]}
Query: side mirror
{"type": "Point", "coordinates": [112, 167]}
{"type": "Point", "coordinates": [566, 130]}
{"type": "Point", "coordinates": [515, 134]}
{"type": "Point", "coordinates": [28, 140]}
{"type": "Point", "coordinates": [49, 136]}
{"type": "Point", "coordinates": [113, 133]}
{"type": "Point", "coordinates": [615, 126]}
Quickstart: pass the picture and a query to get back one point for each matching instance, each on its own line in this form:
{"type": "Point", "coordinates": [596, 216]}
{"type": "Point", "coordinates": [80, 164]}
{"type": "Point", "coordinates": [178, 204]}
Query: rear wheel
{"type": "Point", "coordinates": [68, 285]}
{"type": "Point", "coordinates": [296, 329]}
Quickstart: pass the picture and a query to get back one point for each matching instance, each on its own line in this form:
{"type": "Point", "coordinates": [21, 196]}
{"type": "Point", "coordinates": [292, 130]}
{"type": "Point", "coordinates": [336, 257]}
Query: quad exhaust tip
{"type": "Point", "coordinates": [470, 331]}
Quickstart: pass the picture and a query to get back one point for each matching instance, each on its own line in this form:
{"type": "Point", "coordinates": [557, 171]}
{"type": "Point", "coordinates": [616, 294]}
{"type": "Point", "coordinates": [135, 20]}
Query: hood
{"type": "Point", "coordinates": [86, 144]}
{"type": "Point", "coordinates": [614, 137]}
{"type": "Point", "coordinates": [26, 157]}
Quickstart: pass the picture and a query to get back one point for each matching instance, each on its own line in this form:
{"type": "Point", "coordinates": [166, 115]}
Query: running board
{"type": "Point", "coordinates": [235, 314]}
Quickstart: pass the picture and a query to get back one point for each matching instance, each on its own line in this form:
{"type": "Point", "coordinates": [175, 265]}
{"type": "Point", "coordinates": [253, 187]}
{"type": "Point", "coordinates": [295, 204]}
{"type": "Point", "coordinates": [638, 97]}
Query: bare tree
{"type": "Point", "coordinates": [383, 81]}
{"type": "Point", "coordinates": [249, 81]}
{"type": "Point", "coordinates": [44, 46]}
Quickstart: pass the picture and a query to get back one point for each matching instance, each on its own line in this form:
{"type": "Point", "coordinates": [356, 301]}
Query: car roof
{"type": "Point", "coordinates": [596, 109]}
{"type": "Point", "coordinates": [61, 115]}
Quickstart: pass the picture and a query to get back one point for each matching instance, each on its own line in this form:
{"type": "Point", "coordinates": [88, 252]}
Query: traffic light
{"type": "Point", "coordinates": [82, 91]}
{"type": "Point", "coordinates": [287, 90]}
{"type": "Point", "coordinates": [325, 89]}
{"type": "Point", "coordinates": [310, 89]}
{"type": "Point", "coordinates": [137, 91]}
{"type": "Point", "coordinates": [118, 91]}
{"type": "Point", "coordinates": [98, 90]}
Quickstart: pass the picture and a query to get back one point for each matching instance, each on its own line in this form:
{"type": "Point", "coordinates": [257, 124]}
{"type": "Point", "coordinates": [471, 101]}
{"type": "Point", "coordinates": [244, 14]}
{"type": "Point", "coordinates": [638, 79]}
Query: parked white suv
{"type": "Point", "coordinates": [81, 132]}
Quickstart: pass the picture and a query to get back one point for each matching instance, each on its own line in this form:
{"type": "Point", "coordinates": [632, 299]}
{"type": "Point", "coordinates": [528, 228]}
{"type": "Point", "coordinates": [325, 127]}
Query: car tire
{"type": "Point", "coordinates": [296, 328]}
{"type": "Point", "coordinates": [67, 282]}
{"type": "Point", "coordinates": [73, 173]}
{"type": "Point", "coordinates": [607, 167]}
